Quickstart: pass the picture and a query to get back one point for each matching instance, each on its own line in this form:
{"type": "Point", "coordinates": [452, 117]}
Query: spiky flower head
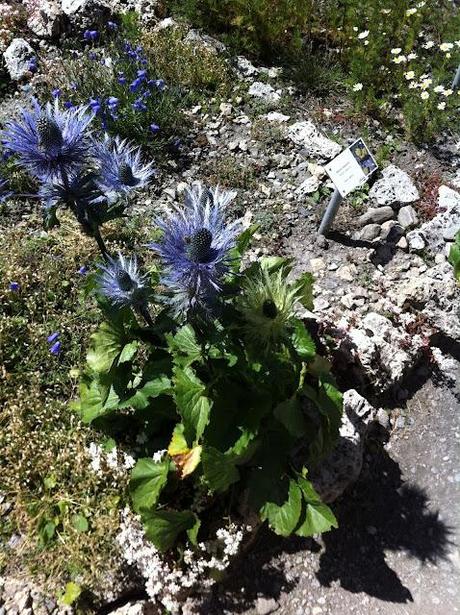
{"type": "Point", "coordinates": [195, 249]}
{"type": "Point", "coordinates": [121, 168]}
{"type": "Point", "coordinates": [121, 281]}
{"type": "Point", "coordinates": [4, 193]}
{"type": "Point", "coordinates": [267, 304]}
{"type": "Point", "coordinates": [49, 140]}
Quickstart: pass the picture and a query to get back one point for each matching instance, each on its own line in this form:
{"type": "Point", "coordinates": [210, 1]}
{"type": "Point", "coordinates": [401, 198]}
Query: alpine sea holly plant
{"type": "Point", "coordinates": [73, 167]}
{"type": "Point", "coordinates": [224, 388]}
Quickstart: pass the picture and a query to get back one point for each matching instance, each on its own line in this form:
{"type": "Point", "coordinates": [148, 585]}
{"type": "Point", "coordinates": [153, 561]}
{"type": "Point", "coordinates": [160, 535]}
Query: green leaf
{"type": "Point", "coordinates": [318, 516]}
{"type": "Point", "coordinates": [80, 523]}
{"type": "Point", "coordinates": [108, 343]}
{"type": "Point", "coordinates": [152, 389]}
{"type": "Point", "coordinates": [219, 469]}
{"type": "Point", "coordinates": [95, 400]}
{"type": "Point", "coordinates": [304, 287]}
{"type": "Point", "coordinates": [454, 256]}
{"type": "Point", "coordinates": [72, 593]}
{"type": "Point", "coordinates": [128, 352]}
{"type": "Point", "coordinates": [274, 263]}
{"type": "Point", "coordinates": [193, 406]}
{"type": "Point", "coordinates": [184, 346]}
{"type": "Point", "coordinates": [289, 413]}
{"type": "Point", "coordinates": [163, 527]}
{"type": "Point", "coordinates": [50, 481]}
{"type": "Point", "coordinates": [192, 533]}
{"type": "Point", "coordinates": [284, 517]}
{"type": "Point", "coordinates": [178, 444]}
{"type": "Point", "coordinates": [147, 480]}
{"type": "Point", "coordinates": [303, 342]}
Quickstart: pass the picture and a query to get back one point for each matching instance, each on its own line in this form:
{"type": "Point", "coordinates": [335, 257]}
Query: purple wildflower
{"type": "Point", "coordinates": [56, 93]}
{"type": "Point", "coordinates": [48, 140]}
{"type": "Point", "coordinates": [55, 349]}
{"type": "Point", "coordinates": [195, 249]}
{"type": "Point", "coordinates": [112, 102]}
{"type": "Point", "coordinates": [90, 35]}
{"type": "Point", "coordinates": [83, 270]}
{"type": "Point", "coordinates": [154, 128]}
{"type": "Point", "coordinates": [135, 85]}
{"type": "Point", "coordinates": [139, 105]}
{"type": "Point", "coordinates": [53, 337]}
{"type": "Point", "coordinates": [14, 286]}
{"type": "Point", "coordinates": [111, 25]}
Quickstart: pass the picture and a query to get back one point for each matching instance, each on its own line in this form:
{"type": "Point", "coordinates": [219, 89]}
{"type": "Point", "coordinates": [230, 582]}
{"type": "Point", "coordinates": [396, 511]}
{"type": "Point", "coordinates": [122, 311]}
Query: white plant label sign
{"type": "Point", "coordinates": [351, 169]}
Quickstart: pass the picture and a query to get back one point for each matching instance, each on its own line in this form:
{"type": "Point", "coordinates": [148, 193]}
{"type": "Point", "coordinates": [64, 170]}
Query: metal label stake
{"type": "Point", "coordinates": [330, 212]}
{"type": "Point", "coordinates": [456, 81]}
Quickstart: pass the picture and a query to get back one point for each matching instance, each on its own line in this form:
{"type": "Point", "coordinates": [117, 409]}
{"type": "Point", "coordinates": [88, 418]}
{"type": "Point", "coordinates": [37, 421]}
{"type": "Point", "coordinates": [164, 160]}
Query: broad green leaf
{"type": "Point", "coordinates": [184, 346]}
{"type": "Point", "coordinates": [80, 523]}
{"type": "Point", "coordinates": [108, 343]}
{"type": "Point", "coordinates": [283, 518]}
{"type": "Point", "coordinates": [193, 405]}
{"type": "Point", "coordinates": [178, 444]}
{"type": "Point", "coordinates": [192, 533]}
{"type": "Point", "coordinates": [128, 352]}
{"type": "Point", "coordinates": [219, 469]}
{"type": "Point", "coordinates": [242, 244]}
{"type": "Point", "coordinates": [303, 342]}
{"type": "Point", "coordinates": [72, 593]}
{"type": "Point", "coordinates": [164, 526]}
{"type": "Point", "coordinates": [318, 516]}
{"type": "Point", "coordinates": [147, 480]}
{"type": "Point", "coordinates": [304, 286]}
{"type": "Point", "coordinates": [141, 397]}
{"type": "Point", "coordinates": [94, 401]}
{"type": "Point", "coordinates": [274, 263]}
{"type": "Point", "coordinates": [289, 413]}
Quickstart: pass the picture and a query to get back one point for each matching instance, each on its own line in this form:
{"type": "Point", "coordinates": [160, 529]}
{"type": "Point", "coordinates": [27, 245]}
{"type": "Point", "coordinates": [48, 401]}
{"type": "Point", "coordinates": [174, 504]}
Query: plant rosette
{"type": "Point", "coordinates": [218, 393]}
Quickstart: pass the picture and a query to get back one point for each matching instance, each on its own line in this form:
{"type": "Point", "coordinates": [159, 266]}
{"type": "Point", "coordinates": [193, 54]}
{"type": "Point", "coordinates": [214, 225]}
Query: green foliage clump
{"type": "Point", "coordinates": [454, 256]}
{"type": "Point", "coordinates": [240, 407]}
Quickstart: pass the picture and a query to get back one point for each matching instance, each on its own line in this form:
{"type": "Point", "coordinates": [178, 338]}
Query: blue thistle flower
{"type": "Point", "coordinates": [120, 166]}
{"type": "Point", "coordinates": [4, 193]}
{"type": "Point", "coordinates": [195, 249]}
{"type": "Point", "coordinates": [122, 283]}
{"type": "Point", "coordinates": [49, 141]}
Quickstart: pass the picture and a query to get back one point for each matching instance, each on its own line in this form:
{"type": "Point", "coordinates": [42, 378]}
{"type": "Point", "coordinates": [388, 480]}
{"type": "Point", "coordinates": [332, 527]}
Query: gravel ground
{"type": "Point", "coordinates": [396, 552]}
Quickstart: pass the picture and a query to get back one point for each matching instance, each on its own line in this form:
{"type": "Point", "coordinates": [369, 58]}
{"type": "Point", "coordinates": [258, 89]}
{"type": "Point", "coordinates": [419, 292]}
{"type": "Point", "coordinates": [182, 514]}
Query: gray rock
{"type": "Point", "coordinates": [376, 216]}
{"type": "Point", "coordinates": [370, 232]}
{"type": "Point", "coordinates": [45, 17]}
{"type": "Point", "coordinates": [395, 186]}
{"type": "Point", "coordinates": [445, 224]}
{"type": "Point", "coordinates": [407, 217]}
{"type": "Point", "coordinates": [416, 241]}
{"type": "Point", "coordinates": [316, 145]}
{"type": "Point", "coordinates": [17, 58]}
{"type": "Point", "coordinates": [392, 231]}
{"type": "Point", "coordinates": [265, 606]}
{"type": "Point", "coordinates": [245, 67]}
{"type": "Point", "coordinates": [383, 418]}
{"type": "Point", "coordinates": [343, 466]}
{"type": "Point", "coordinates": [264, 91]}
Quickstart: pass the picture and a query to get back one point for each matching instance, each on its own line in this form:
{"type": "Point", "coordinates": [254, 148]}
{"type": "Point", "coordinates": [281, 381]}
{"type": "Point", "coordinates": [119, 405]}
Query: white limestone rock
{"type": "Point", "coordinates": [444, 225]}
{"type": "Point", "coordinates": [17, 57]}
{"type": "Point", "coordinates": [343, 466]}
{"type": "Point", "coordinates": [264, 91]}
{"type": "Point", "coordinates": [45, 18]}
{"type": "Point", "coordinates": [395, 186]}
{"type": "Point", "coordinates": [306, 135]}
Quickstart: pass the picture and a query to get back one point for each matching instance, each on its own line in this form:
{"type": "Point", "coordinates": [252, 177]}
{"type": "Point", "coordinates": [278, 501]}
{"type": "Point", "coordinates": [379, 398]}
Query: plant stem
{"type": "Point", "coordinates": [100, 242]}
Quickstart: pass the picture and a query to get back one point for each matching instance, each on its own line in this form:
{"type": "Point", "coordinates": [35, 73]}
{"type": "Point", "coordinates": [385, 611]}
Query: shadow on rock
{"type": "Point", "coordinates": [381, 513]}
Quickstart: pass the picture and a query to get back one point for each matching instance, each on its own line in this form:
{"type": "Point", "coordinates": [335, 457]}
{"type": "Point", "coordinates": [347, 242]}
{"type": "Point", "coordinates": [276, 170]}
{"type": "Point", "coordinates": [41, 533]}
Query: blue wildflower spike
{"type": "Point", "coordinates": [195, 249]}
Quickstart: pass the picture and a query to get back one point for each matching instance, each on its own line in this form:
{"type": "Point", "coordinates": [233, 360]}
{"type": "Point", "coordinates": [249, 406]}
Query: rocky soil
{"type": "Point", "coordinates": [387, 308]}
